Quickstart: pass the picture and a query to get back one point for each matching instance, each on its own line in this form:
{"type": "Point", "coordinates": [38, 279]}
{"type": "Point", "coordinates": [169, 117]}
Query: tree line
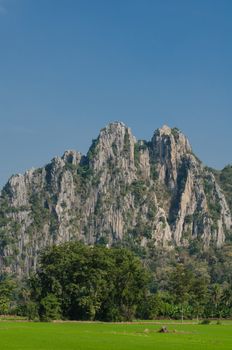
{"type": "Point", "coordinates": [79, 282]}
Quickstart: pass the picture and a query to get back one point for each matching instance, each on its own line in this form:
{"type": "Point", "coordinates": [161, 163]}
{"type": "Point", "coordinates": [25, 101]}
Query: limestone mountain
{"type": "Point", "coordinates": [124, 191]}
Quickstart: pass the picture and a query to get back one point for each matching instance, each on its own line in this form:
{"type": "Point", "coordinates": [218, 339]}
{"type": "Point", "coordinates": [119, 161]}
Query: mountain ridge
{"type": "Point", "coordinates": [141, 193]}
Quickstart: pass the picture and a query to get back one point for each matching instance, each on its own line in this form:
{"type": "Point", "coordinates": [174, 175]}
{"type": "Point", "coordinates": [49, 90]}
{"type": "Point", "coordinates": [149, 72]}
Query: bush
{"type": "Point", "coordinates": [32, 311]}
{"type": "Point", "coordinates": [50, 308]}
{"type": "Point", "coordinates": [205, 321]}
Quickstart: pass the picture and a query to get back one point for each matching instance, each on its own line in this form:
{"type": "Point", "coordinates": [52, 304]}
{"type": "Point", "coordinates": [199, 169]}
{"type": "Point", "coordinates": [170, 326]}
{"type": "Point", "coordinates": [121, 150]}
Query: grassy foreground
{"type": "Point", "coordinates": [94, 336]}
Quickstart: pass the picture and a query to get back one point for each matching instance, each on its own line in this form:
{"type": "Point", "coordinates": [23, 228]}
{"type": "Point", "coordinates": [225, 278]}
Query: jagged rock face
{"type": "Point", "coordinates": [169, 147]}
{"type": "Point", "coordinates": [135, 193]}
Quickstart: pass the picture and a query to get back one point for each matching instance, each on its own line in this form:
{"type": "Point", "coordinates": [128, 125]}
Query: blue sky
{"type": "Point", "coordinates": [69, 67]}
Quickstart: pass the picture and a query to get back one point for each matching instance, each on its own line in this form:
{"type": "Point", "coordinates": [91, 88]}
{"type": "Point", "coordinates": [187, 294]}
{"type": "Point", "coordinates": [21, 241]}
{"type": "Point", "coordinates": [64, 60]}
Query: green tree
{"type": "Point", "coordinates": [49, 308]}
{"type": "Point", "coordinates": [32, 311]}
{"type": "Point", "coordinates": [216, 293]}
{"type": "Point", "coordinates": [7, 287]}
{"type": "Point", "coordinates": [88, 283]}
{"type": "Point", "coordinates": [199, 295]}
{"type": "Point", "coordinates": [131, 280]}
{"type": "Point", "coordinates": [180, 285]}
{"type": "Point", "coordinates": [226, 302]}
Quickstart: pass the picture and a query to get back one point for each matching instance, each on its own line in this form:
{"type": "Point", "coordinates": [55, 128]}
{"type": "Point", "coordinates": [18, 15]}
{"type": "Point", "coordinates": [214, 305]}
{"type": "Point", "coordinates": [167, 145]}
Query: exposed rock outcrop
{"type": "Point", "coordinates": [125, 191]}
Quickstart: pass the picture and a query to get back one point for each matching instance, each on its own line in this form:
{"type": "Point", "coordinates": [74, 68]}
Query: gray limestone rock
{"type": "Point", "coordinates": [123, 191]}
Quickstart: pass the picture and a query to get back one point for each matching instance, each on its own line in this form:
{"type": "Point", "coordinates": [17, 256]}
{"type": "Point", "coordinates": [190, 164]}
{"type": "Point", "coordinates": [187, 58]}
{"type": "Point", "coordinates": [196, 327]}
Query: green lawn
{"type": "Point", "coordinates": [94, 336]}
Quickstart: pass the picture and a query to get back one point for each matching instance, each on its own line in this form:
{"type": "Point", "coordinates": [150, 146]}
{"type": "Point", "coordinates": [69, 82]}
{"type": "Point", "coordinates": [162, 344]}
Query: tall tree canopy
{"type": "Point", "coordinates": [80, 282]}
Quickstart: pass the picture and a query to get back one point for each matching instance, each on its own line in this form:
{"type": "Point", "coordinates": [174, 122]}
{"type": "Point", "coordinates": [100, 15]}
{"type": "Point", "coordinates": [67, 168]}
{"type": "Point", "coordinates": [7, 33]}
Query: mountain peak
{"type": "Point", "coordinates": [115, 128]}
{"type": "Point", "coordinates": [116, 124]}
{"type": "Point", "coordinates": [177, 140]}
{"type": "Point", "coordinates": [147, 193]}
{"type": "Point", "coordinates": [166, 130]}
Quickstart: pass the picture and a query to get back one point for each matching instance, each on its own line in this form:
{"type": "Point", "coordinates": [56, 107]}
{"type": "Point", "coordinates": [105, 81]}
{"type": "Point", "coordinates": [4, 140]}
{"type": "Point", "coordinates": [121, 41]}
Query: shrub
{"type": "Point", "coordinates": [205, 321]}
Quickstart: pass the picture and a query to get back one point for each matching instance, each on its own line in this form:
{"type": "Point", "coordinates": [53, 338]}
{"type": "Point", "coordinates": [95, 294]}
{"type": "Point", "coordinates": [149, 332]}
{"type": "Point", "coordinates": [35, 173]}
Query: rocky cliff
{"type": "Point", "coordinates": [123, 191]}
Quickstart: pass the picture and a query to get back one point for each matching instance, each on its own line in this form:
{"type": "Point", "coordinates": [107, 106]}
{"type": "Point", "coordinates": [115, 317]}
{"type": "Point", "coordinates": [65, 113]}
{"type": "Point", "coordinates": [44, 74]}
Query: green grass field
{"type": "Point", "coordinates": [94, 336]}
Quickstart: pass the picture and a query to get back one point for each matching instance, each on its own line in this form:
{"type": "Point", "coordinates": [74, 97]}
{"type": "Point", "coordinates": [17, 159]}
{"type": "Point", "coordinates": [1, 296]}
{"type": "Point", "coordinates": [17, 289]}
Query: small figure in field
{"type": "Point", "coordinates": [163, 329]}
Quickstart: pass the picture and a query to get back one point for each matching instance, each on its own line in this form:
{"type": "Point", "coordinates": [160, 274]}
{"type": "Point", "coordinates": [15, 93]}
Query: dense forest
{"type": "Point", "coordinates": [79, 282]}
